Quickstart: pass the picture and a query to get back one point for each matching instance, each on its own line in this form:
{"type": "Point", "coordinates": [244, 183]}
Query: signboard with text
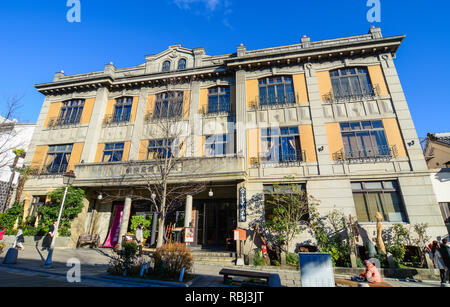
{"type": "Point", "coordinates": [242, 205]}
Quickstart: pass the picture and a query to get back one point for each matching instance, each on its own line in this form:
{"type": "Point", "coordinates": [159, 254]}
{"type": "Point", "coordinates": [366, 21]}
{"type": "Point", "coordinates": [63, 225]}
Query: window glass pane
{"type": "Point", "coordinates": [280, 94]}
{"type": "Point", "coordinates": [374, 205]}
{"type": "Point", "coordinates": [361, 208]}
{"type": "Point", "coordinates": [355, 126]}
{"type": "Point", "coordinates": [345, 127]}
{"type": "Point", "coordinates": [377, 124]}
{"type": "Point", "coordinates": [272, 97]}
{"type": "Point", "coordinates": [373, 185]}
{"type": "Point", "coordinates": [366, 125]}
{"type": "Point", "coordinates": [356, 186]}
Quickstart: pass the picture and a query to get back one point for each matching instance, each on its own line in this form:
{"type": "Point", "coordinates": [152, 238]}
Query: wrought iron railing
{"type": "Point", "coordinates": [272, 101]}
{"type": "Point", "coordinates": [283, 159]}
{"type": "Point", "coordinates": [151, 117]}
{"type": "Point", "coordinates": [341, 95]}
{"type": "Point", "coordinates": [113, 119]}
{"type": "Point", "coordinates": [224, 108]}
{"type": "Point", "coordinates": [63, 121]}
{"type": "Point", "coordinates": [54, 169]}
{"type": "Point", "coordinates": [366, 154]}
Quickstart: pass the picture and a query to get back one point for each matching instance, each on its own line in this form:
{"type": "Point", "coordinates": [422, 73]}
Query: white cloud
{"type": "Point", "coordinates": [209, 4]}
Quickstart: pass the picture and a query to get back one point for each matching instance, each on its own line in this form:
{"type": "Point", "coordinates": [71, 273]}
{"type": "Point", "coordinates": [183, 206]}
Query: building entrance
{"type": "Point", "coordinates": [215, 221]}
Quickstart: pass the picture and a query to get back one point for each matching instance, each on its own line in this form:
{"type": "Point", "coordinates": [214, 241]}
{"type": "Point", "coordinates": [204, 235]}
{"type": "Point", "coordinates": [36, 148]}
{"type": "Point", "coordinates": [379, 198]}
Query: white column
{"type": "Point", "coordinates": [95, 126]}
{"type": "Point", "coordinates": [188, 211]}
{"type": "Point", "coordinates": [125, 219]}
{"type": "Point", "coordinates": [318, 121]}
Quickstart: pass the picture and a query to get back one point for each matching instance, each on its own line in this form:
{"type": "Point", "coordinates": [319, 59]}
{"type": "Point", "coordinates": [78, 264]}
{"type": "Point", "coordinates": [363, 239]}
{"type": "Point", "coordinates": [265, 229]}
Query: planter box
{"type": "Point", "coordinates": [33, 241]}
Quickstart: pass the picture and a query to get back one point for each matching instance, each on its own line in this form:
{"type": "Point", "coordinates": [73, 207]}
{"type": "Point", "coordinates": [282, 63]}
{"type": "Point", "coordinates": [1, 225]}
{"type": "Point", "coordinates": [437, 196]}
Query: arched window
{"type": "Point", "coordinates": [276, 90]}
{"type": "Point", "coordinates": [71, 112]}
{"type": "Point", "coordinates": [166, 66]}
{"type": "Point", "coordinates": [219, 99]}
{"type": "Point", "coordinates": [182, 64]}
{"type": "Point", "coordinates": [122, 109]}
{"type": "Point", "coordinates": [351, 83]}
{"type": "Point", "coordinates": [169, 105]}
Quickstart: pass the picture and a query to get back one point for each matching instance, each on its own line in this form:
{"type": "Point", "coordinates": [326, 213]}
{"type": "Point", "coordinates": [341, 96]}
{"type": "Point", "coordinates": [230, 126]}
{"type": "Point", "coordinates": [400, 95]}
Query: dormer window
{"type": "Point", "coordinates": [182, 64]}
{"type": "Point", "coordinates": [166, 66]}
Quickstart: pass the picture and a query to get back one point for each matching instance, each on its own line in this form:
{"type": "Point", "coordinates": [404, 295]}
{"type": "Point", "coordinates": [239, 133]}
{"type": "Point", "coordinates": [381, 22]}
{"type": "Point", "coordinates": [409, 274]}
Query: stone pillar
{"type": "Point", "coordinates": [188, 212]}
{"type": "Point", "coordinates": [125, 219]}
{"type": "Point", "coordinates": [241, 113]}
{"type": "Point", "coordinates": [405, 122]}
{"type": "Point", "coordinates": [95, 126]}
{"type": "Point", "coordinates": [139, 123]}
{"type": "Point", "coordinates": [318, 121]}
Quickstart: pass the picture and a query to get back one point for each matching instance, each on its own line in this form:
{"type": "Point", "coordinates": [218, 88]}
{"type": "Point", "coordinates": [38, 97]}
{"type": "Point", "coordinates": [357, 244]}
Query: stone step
{"type": "Point", "coordinates": [213, 254]}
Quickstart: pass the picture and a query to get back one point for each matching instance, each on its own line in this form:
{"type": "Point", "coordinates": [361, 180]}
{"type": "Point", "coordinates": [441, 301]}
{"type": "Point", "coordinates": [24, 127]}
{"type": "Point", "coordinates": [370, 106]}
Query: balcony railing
{"type": "Point", "coordinates": [279, 160]}
{"type": "Point", "coordinates": [341, 95]}
{"type": "Point", "coordinates": [366, 154]}
{"type": "Point", "coordinates": [271, 101]}
{"type": "Point", "coordinates": [53, 170]}
{"type": "Point", "coordinates": [204, 168]}
{"type": "Point", "coordinates": [223, 109]}
{"type": "Point", "coordinates": [113, 119]}
{"type": "Point", "coordinates": [61, 121]}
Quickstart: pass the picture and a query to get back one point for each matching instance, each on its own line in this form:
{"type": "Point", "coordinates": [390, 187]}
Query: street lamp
{"type": "Point", "coordinates": [68, 179]}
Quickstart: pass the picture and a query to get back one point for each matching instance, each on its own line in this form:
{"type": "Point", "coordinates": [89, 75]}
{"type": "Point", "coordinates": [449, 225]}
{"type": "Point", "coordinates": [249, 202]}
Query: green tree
{"type": "Point", "coordinates": [73, 205]}
{"type": "Point", "coordinates": [145, 221]}
{"type": "Point", "coordinates": [396, 243]}
{"type": "Point", "coordinates": [292, 212]}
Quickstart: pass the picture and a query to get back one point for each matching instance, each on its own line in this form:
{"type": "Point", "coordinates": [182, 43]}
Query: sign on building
{"type": "Point", "coordinates": [242, 205]}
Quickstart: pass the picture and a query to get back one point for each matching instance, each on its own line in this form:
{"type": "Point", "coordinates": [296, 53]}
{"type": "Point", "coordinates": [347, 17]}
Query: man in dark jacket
{"type": "Point", "coordinates": [445, 254]}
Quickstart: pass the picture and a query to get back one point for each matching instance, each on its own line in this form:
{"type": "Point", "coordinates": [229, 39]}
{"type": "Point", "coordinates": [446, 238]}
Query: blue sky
{"type": "Point", "coordinates": [37, 40]}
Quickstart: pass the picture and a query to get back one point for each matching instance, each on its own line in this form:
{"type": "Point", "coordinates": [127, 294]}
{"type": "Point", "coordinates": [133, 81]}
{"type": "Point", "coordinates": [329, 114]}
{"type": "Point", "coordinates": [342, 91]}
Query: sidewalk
{"type": "Point", "coordinates": [94, 263]}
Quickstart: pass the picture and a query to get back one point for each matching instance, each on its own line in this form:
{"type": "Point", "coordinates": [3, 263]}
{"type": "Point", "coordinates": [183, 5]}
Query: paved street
{"type": "Point", "coordinates": [30, 272]}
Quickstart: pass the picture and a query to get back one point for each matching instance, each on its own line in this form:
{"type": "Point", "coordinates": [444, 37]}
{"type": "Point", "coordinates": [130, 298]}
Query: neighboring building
{"type": "Point", "coordinates": [437, 150]}
{"type": "Point", "coordinates": [330, 116]}
{"type": "Point", "coordinates": [12, 135]}
{"type": "Point", "coordinates": [437, 155]}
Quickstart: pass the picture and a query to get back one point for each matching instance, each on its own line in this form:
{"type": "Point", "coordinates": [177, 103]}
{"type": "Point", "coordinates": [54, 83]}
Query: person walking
{"type": "Point", "coordinates": [445, 253]}
{"type": "Point", "coordinates": [140, 237]}
{"type": "Point", "coordinates": [438, 262]}
{"type": "Point", "coordinates": [48, 238]}
{"type": "Point", "coordinates": [19, 239]}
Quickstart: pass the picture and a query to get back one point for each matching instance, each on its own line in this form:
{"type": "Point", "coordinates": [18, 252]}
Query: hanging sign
{"type": "Point", "coordinates": [242, 205]}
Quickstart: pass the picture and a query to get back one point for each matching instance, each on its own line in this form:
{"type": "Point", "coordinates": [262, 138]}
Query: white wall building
{"type": "Point", "coordinates": [12, 135]}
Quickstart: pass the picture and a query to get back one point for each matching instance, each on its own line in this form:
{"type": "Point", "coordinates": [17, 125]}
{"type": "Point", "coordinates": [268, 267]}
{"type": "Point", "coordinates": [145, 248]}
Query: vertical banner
{"type": "Point", "coordinates": [316, 270]}
{"type": "Point", "coordinates": [242, 205]}
{"type": "Point", "coordinates": [113, 235]}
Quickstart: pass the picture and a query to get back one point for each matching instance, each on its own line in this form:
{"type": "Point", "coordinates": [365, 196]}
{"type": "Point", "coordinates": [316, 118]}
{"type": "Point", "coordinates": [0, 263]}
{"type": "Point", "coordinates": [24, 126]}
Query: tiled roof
{"type": "Point", "coordinates": [442, 138]}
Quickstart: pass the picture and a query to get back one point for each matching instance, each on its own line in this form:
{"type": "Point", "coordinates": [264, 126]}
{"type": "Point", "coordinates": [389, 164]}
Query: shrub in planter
{"type": "Point", "coordinates": [8, 218]}
{"type": "Point", "coordinates": [257, 258]}
{"type": "Point", "coordinates": [292, 259]}
{"type": "Point", "coordinates": [126, 260]}
{"type": "Point", "coordinates": [171, 258]}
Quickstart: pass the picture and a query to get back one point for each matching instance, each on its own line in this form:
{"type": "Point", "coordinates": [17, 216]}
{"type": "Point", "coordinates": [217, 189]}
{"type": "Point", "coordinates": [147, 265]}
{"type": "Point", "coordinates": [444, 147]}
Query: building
{"type": "Point", "coordinates": [330, 116]}
{"type": "Point", "coordinates": [12, 135]}
{"type": "Point", "coordinates": [437, 155]}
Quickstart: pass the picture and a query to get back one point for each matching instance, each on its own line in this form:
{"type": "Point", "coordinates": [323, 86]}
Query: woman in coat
{"type": "Point", "coordinates": [438, 262]}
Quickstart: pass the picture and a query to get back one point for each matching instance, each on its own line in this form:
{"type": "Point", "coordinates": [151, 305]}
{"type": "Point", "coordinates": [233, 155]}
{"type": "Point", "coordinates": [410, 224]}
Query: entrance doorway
{"type": "Point", "coordinates": [215, 221]}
